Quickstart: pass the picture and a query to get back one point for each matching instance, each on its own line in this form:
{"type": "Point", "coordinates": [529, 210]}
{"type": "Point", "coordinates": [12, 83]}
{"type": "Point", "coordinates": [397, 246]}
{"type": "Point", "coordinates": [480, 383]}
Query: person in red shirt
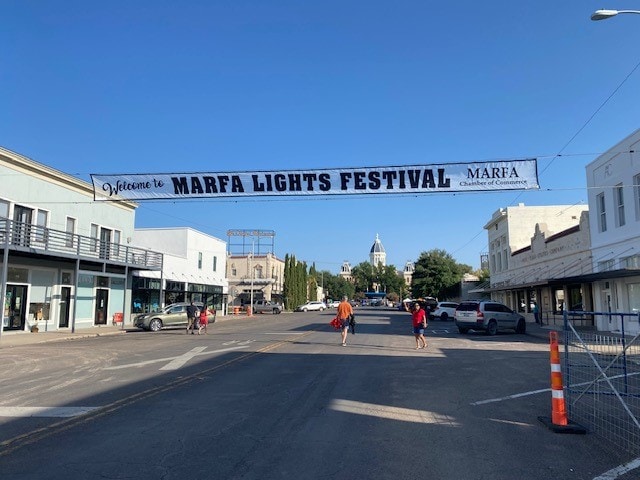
{"type": "Point", "coordinates": [344, 314]}
{"type": "Point", "coordinates": [419, 318]}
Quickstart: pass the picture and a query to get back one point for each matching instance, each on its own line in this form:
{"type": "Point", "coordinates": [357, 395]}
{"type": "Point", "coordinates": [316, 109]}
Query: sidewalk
{"type": "Point", "coordinates": [14, 339]}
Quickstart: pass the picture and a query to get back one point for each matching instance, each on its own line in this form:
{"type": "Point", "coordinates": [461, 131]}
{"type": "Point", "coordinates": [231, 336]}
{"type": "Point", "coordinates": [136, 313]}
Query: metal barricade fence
{"type": "Point", "coordinates": [602, 380]}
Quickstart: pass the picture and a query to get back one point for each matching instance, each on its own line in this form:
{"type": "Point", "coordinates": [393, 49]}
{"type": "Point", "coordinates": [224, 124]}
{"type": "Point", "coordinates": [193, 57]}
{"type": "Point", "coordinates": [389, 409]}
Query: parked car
{"type": "Point", "coordinates": [333, 304]}
{"type": "Point", "coordinates": [174, 315]}
{"type": "Point", "coordinates": [309, 306]}
{"type": "Point", "coordinates": [427, 303]}
{"type": "Point", "coordinates": [444, 310]}
{"type": "Point", "coordinates": [489, 316]}
{"type": "Point", "coordinates": [263, 306]}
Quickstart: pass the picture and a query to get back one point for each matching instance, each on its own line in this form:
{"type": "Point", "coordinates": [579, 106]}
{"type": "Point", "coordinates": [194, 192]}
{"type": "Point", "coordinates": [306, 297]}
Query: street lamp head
{"type": "Point", "coordinates": [603, 14]}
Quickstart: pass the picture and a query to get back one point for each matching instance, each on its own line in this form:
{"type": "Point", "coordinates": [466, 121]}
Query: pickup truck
{"type": "Point", "coordinates": [262, 306]}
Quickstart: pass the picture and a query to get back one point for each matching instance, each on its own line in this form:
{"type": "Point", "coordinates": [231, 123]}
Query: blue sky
{"type": "Point", "coordinates": [154, 86]}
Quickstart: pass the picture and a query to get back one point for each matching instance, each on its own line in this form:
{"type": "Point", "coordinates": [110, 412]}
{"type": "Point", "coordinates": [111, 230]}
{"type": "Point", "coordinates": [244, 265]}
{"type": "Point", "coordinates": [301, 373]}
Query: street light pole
{"type": "Point", "coordinates": [251, 267]}
{"type": "Point", "coordinates": [605, 14]}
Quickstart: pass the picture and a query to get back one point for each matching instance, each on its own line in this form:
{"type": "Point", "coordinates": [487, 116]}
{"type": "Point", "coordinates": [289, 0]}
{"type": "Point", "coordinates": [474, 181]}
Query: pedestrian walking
{"type": "Point", "coordinates": [204, 320]}
{"type": "Point", "coordinates": [419, 319]}
{"type": "Point", "coordinates": [192, 312]}
{"type": "Point", "coordinates": [344, 314]}
{"type": "Point", "coordinates": [536, 312]}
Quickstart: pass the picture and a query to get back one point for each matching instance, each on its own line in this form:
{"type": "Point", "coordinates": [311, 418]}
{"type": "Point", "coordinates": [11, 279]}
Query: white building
{"type": "Point", "coordinates": [536, 255]}
{"type": "Point", "coordinates": [67, 260]}
{"type": "Point", "coordinates": [377, 254]}
{"type": "Point", "coordinates": [511, 229]}
{"type": "Point", "coordinates": [194, 269]}
{"type": "Point", "coordinates": [613, 181]}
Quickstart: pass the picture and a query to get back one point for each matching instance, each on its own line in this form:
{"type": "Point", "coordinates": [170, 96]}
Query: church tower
{"type": "Point", "coordinates": [377, 254]}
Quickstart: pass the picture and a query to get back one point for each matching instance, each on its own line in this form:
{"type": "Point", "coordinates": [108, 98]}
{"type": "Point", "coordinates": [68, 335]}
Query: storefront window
{"type": "Point", "coordinates": [634, 297]}
{"type": "Point", "coordinates": [575, 298]}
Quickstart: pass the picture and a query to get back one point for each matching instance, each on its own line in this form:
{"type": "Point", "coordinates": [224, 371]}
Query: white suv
{"type": "Point", "coordinates": [488, 316]}
{"type": "Point", "coordinates": [311, 306]}
{"type": "Point", "coordinates": [444, 310]}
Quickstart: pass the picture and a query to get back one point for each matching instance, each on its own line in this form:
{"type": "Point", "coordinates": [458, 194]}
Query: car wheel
{"type": "Point", "coordinates": [304, 310]}
{"type": "Point", "coordinates": [521, 327]}
{"type": "Point", "coordinates": [492, 328]}
{"type": "Point", "coordinates": [275, 311]}
{"type": "Point", "coordinates": [444, 317]}
{"type": "Point", "coordinates": [321, 309]}
{"type": "Point", "coordinates": [463, 330]}
{"type": "Point", "coordinates": [155, 325]}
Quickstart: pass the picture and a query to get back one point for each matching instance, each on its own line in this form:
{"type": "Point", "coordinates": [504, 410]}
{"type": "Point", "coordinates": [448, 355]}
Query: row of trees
{"type": "Point", "coordinates": [436, 274]}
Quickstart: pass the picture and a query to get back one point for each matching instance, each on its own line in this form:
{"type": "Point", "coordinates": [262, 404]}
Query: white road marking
{"type": "Point", "coordinates": [193, 353]}
{"type": "Point", "coordinates": [57, 412]}
{"type": "Point", "coordinates": [620, 470]}
{"type": "Point", "coordinates": [178, 362]}
{"type": "Point", "coordinates": [511, 397]}
{"type": "Point", "coordinates": [534, 392]}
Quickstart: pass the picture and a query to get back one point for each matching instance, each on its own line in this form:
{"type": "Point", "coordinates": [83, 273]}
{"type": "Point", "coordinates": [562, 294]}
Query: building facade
{"type": "Point", "coordinates": [194, 269]}
{"type": "Point", "coordinates": [536, 256]}
{"type": "Point", "coordinates": [613, 181]}
{"type": "Point", "coordinates": [254, 277]}
{"type": "Point", "coordinates": [67, 260]}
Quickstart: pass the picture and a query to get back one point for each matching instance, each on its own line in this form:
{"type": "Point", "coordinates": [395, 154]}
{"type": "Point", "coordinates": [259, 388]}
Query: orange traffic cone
{"type": "Point", "coordinates": [559, 422]}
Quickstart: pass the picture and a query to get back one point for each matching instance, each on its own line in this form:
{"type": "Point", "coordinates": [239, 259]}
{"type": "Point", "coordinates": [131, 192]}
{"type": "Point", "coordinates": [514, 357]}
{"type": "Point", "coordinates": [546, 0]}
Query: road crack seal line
{"type": "Point", "coordinates": [29, 438]}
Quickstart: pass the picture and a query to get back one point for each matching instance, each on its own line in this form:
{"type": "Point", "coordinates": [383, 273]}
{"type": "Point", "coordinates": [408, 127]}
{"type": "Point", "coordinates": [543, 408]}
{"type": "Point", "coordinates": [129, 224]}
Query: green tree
{"type": "Point", "coordinates": [312, 282]}
{"type": "Point", "coordinates": [437, 274]}
{"type": "Point", "coordinates": [336, 286]}
{"type": "Point", "coordinates": [363, 277]}
{"type": "Point", "coordinates": [295, 286]}
{"type": "Point", "coordinates": [390, 281]}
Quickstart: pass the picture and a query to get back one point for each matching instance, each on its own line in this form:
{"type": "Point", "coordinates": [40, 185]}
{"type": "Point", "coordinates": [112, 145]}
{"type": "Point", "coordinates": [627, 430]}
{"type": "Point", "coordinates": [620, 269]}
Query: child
{"type": "Point", "coordinates": [203, 320]}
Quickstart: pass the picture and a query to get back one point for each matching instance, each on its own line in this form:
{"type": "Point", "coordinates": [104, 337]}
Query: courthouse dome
{"type": "Point", "coordinates": [377, 246]}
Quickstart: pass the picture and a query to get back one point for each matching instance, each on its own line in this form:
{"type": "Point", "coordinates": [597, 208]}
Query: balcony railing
{"type": "Point", "coordinates": [43, 240]}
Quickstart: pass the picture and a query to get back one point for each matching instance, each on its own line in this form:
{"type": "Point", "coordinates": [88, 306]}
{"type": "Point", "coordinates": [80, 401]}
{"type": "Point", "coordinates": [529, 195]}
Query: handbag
{"type": "Point", "coordinates": [336, 323]}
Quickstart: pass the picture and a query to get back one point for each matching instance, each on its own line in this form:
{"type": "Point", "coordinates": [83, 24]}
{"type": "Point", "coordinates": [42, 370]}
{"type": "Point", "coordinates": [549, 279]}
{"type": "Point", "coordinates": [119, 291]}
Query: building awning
{"type": "Point", "coordinates": [597, 276]}
{"type": "Point", "coordinates": [586, 278]}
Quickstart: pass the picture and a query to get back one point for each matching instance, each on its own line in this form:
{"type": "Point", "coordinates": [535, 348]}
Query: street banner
{"type": "Point", "coordinates": [408, 179]}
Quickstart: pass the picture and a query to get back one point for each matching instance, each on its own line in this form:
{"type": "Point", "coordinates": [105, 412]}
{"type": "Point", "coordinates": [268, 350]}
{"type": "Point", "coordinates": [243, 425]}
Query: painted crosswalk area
{"type": "Point", "coordinates": [45, 412]}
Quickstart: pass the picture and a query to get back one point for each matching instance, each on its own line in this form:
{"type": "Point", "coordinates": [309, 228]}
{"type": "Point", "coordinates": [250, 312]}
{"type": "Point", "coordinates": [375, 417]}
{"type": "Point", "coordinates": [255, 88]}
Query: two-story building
{"type": "Point", "coordinates": [613, 181]}
{"type": "Point", "coordinates": [536, 254]}
{"type": "Point", "coordinates": [193, 269]}
{"type": "Point", "coordinates": [67, 261]}
{"type": "Point", "coordinates": [254, 277]}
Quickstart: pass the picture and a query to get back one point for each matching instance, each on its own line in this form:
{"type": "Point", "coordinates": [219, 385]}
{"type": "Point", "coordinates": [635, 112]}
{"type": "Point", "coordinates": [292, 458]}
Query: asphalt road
{"type": "Point", "coordinates": [278, 397]}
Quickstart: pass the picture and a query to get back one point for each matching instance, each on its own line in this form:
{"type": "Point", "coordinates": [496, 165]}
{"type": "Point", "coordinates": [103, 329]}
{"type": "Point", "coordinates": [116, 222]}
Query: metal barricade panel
{"type": "Point", "coordinates": [602, 383]}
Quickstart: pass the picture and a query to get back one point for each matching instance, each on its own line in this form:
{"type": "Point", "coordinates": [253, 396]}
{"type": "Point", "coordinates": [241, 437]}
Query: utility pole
{"type": "Point", "coordinates": [250, 311]}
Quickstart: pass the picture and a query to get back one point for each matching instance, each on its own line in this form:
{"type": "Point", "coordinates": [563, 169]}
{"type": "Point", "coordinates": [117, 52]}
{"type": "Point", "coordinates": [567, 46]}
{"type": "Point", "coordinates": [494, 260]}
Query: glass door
{"type": "Point", "coordinates": [102, 302]}
{"type": "Point", "coordinates": [22, 217]}
{"type": "Point", "coordinates": [15, 307]}
{"type": "Point", "coordinates": [65, 302]}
